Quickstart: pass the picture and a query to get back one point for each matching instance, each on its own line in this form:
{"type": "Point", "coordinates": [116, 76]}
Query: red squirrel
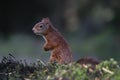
{"type": "Point", "coordinates": [55, 42]}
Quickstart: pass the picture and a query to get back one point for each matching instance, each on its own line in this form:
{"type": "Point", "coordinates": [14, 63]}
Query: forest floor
{"type": "Point", "coordinates": [13, 69]}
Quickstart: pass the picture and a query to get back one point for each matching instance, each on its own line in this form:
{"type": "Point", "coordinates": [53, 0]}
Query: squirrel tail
{"type": "Point", "coordinates": [88, 60]}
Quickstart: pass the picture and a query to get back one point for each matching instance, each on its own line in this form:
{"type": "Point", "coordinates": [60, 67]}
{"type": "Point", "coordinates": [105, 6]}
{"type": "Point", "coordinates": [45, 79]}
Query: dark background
{"type": "Point", "coordinates": [92, 27]}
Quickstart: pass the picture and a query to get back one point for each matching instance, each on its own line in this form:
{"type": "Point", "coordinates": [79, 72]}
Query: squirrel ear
{"type": "Point", "coordinates": [46, 19]}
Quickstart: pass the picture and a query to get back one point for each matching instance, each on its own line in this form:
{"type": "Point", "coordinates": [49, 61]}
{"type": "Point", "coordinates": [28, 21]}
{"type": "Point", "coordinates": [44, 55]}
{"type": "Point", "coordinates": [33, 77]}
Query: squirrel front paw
{"type": "Point", "coordinates": [46, 49]}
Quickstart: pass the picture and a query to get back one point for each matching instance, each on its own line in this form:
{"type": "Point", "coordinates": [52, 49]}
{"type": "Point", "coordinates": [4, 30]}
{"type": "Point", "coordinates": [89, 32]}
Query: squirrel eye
{"type": "Point", "coordinates": [41, 26]}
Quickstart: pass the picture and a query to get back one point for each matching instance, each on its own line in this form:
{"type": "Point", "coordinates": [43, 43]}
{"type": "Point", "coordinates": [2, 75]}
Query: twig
{"type": "Point", "coordinates": [108, 71]}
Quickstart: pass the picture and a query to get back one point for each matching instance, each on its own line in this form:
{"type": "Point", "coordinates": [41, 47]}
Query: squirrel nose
{"type": "Point", "coordinates": [33, 29]}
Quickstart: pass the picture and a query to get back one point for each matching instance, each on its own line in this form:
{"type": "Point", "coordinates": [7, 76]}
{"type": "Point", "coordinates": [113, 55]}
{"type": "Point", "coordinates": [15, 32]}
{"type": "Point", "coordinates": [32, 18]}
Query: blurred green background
{"type": "Point", "coordinates": [91, 27]}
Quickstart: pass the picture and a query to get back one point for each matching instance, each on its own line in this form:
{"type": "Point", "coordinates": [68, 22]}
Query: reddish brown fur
{"type": "Point", "coordinates": [54, 41]}
{"type": "Point", "coordinates": [88, 60]}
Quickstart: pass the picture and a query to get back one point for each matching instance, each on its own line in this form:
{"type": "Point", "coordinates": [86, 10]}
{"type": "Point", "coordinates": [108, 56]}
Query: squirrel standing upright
{"type": "Point", "coordinates": [54, 41]}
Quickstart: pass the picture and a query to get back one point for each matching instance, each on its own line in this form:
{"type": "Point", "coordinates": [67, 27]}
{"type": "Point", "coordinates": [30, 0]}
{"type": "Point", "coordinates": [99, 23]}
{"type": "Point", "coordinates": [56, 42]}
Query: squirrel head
{"type": "Point", "coordinates": [42, 27]}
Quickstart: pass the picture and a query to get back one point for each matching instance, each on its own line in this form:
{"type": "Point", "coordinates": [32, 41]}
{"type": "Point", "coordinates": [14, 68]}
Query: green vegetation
{"type": "Point", "coordinates": [12, 69]}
